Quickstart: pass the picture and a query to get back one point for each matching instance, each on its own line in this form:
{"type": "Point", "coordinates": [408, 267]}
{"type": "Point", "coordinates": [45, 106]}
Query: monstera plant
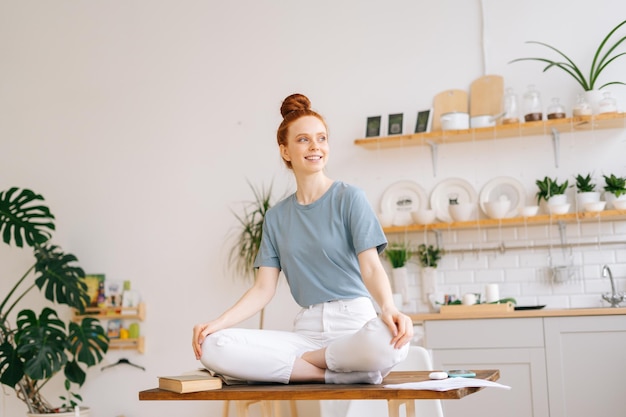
{"type": "Point", "coordinates": [38, 346]}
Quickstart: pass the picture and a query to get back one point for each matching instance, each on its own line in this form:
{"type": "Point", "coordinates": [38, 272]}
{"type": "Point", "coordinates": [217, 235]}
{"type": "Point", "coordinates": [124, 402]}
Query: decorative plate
{"type": "Point", "coordinates": [449, 189]}
{"type": "Point", "coordinates": [504, 187]}
{"type": "Point", "coordinates": [402, 198]}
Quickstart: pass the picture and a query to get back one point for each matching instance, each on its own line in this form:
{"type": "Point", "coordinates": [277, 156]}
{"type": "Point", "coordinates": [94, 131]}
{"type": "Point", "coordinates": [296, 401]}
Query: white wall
{"type": "Point", "coordinates": [140, 122]}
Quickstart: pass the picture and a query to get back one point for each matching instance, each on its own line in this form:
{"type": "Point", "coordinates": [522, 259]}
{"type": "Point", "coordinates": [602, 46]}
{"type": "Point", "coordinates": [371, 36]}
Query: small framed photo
{"type": "Point", "coordinates": [113, 328]}
{"type": "Point", "coordinates": [424, 120]}
{"type": "Point", "coordinates": [395, 124]}
{"type": "Point", "coordinates": [373, 126]}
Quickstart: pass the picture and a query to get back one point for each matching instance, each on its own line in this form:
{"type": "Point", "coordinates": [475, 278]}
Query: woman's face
{"type": "Point", "coordinates": [307, 145]}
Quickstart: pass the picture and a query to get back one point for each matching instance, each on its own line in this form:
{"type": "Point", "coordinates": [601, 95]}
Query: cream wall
{"type": "Point", "coordinates": [140, 122]}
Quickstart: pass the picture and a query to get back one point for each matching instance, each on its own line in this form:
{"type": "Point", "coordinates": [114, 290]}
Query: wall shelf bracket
{"type": "Point", "coordinates": [434, 147]}
{"type": "Point", "coordinates": [555, 144]}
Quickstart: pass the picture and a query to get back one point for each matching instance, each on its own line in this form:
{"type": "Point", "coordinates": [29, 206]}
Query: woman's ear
{"type": "Point", "coordinates": [284, 152]}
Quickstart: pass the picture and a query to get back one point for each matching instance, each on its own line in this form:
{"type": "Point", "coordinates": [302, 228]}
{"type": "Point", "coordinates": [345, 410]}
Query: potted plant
{"type": "Point", "coordinates": [398, 254]}
{"type": "Point", "coordinates": [600, 61]}
{"type": "Point", "coordinates": [551, 191]}
{"type": "Point", "coordinates": [39, 346]}
{"type": "Point", "coordinates": [585, 190]}
{"type": "Point", "coordinates": [429, 256]}
{"type": "Point", "coordinates": [614, 189]}
{"type": "Point", "coordinates": [248, 236]}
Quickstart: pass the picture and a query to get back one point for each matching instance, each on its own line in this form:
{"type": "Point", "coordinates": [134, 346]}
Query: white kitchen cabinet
{"type": "Point", "coordinates": [571, 366]}
{"type": "Point", "coordinates": [586, 361]}
{"type": "Point", "coordinates": [514, 346]}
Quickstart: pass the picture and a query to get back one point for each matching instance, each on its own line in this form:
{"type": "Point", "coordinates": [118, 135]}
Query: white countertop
{"type": "Point", "coordinates": [422, 317]}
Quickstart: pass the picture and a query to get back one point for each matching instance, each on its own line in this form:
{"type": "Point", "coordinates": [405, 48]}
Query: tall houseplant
{"type": "Point", "coordinates": [248, 237]}
{"type": "Point", "coordinates": [39, 346]}
{"type": "Point", "coordinates": [601, 59]}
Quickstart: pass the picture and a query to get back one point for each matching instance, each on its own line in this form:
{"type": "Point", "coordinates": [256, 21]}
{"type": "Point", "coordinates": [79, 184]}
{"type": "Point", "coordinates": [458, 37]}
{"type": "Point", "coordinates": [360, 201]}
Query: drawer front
{"type": "Point", "coordinates": [483, 333]}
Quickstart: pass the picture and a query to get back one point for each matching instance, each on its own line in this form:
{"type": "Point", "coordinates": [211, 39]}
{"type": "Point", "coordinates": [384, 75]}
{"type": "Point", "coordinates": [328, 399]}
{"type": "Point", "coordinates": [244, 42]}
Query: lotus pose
{"type": "Point", "coordinates": [326, 239]}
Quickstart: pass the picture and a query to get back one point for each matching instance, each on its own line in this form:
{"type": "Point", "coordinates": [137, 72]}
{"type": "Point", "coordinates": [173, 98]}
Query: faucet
{"type": "Point", "coordinates": [614, 298]}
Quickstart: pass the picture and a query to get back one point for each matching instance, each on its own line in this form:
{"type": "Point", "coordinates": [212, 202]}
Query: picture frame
{"type": "Point", "coordinates": [424, 121]}
{"type": "Point", "coordinates": [395, 124]}
{"type": "Point", "coordinates": [93, 282]}
{"type": "Point", "coordinates": [113, 328]}
{"type": "Point", "coordinates": [373, 126]}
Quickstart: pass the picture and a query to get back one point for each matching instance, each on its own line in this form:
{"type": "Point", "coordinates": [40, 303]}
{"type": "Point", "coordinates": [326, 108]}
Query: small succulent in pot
{"type": "Point", "coordinates": [398, 254]}
{"type": "Point", "coordinates": [429, 255]}
{"type": "Point", "coordinates": [549, 187]}
{"type": "Point", "coordinates": [615, 185]}
{"type": "Point", "coordinates": [585, 184]}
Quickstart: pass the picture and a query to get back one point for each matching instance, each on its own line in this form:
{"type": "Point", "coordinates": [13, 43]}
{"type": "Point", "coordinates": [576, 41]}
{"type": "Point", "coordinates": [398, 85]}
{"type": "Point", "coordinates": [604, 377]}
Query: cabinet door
{"type": "Point", "coordinates": [586, 365]}
{"type": "Point", "coordinates": [522, 369]}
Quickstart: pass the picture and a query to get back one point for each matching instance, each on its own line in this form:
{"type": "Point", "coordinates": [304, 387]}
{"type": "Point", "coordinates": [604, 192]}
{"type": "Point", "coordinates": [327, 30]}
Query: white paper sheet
{"type": "Point", "coordinates": [448, 384]}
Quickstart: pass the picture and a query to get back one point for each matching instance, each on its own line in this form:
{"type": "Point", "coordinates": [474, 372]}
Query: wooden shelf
{"type": "Point", "coordinates": [514, 221]}
{"type": "Point", "coordinates": [134, 344]}
{"type": "Point", "coordinates": [110, 313]}
{"type": "Point", "coordinates": [545, 127]}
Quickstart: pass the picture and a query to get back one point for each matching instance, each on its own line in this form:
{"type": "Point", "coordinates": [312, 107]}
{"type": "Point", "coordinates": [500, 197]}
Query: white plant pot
{"type": "Point", "coordinates": [429, 282]}
{"type": "Point", "coordinates": [83, 412]}
{"type": "Point", "coordinates": [586, 197]}
{"type": "Point", "coordinates": [610, 197]}
{"type": "Point", "coordinates": [593, 97]}
{"type": "Point", "coordinates": [400, 279]}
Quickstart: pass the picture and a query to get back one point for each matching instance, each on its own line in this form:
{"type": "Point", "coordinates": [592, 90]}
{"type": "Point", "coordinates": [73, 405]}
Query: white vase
{"type": "Point", "coordinates": [586, 197]}
{"type": "Point", "coordinates": [610, 197]}
{"type": "Point", "coordinates": [429, 282]}
{"type": "Point", "coordinates": [593, 97]}
{"type": "Point", "coordinates": [400, 278]}
{"type": "Point", "coordinates": [82, 412]}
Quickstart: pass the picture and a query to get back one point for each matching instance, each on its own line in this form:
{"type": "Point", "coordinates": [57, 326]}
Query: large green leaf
{"type": "Point", "coordinates": [88, 343]}
{"type": "Point", "coordinates": [11, 367]}
{"type": "Point", "coordinates": [41, 343]}
{"type": "Point", "coordinates": [60, 278]}
{"type": "Point", "coordinates": [22, 219]}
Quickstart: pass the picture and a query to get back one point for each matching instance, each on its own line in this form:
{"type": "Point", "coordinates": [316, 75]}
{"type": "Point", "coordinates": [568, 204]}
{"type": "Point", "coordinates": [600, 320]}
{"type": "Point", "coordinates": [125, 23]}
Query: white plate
{"type": "Point", "coordinates": [504, 187]}
{"type": "Point", "coordinates": [440, 197]}
{"type": "Point", "coordinates": [402, 198]}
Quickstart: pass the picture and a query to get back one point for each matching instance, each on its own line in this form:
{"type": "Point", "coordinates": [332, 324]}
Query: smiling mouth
{"type": "Point", "coordinates": [313, 158]}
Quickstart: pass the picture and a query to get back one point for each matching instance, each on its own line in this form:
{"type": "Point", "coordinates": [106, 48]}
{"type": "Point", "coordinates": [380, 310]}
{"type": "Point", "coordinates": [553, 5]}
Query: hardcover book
{"type": "Point", "coordinates": [189, 383]}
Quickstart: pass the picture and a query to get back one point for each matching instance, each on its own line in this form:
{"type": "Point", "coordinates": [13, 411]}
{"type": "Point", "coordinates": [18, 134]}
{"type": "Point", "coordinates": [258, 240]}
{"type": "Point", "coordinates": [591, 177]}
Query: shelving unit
{"type": "Point", "coordinates": [121, 313]}
{"type": "Point", "coordinates": [544, 127]}
{"type": "Point", "coordinates": [513, 221]}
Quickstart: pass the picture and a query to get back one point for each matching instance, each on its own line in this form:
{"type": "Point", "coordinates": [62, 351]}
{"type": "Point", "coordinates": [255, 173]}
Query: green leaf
{"type": "Point", "coordinates": [41, 343]}
{"type": "Point", "coordinates": [22, 219]}
{"type": "Point", "coordinates": [11, 367]}
{"type": "Point", "coordinates": [59, 278]}
{"type": "Point", "coordinates": [88, 341]}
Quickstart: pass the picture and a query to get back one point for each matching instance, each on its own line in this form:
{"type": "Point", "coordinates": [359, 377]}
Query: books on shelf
{"type": "Point", "coordinates": [189, 383]}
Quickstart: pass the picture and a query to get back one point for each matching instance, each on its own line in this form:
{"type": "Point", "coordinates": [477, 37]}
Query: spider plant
{"type": "Point", "coordinates": [600, 61]}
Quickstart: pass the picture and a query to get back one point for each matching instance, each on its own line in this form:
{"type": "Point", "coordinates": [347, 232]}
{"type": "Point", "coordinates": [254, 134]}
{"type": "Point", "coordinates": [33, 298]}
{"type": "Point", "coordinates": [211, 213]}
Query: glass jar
{"type": "Point", "coordinates": [510, 107]}
{"type": "Point", "coordinates": [556, 110]}
{"type": "Point", "coordinates": [531, 105]}
{"type": "Point", "coordinates": [608, 104]}
{"type": "Point", "coordinates": [582, 107]}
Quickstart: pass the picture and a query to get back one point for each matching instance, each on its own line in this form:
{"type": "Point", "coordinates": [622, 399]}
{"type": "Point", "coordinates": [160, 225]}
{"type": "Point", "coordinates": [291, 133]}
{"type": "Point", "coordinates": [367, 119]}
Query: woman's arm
{"type": "Point", "coordinates": [377, 283]}
{"type": "Point", "coordinates": [253, 300]}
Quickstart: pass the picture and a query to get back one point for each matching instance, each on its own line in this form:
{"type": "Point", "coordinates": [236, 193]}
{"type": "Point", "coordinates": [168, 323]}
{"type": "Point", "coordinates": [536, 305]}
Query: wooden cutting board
{"type": "Point", "coordinates": [486, 95]}
{"type": "Point", "coordinates": [446, 102]}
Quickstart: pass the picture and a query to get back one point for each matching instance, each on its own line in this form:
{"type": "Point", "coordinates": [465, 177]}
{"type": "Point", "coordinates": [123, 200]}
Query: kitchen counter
{"type": "Point", "coordinates": [564, 312]}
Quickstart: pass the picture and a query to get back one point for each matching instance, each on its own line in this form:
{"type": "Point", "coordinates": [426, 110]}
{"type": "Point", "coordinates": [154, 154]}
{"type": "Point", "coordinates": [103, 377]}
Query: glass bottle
{"type": "Point", "coordinates": [532, 106]}
{"type": "Point", "coordinates": [510, 107]}
{"type": "Point", "coordinates": [582, 106]}
{"type": "Point", "coordinates": [556, 110]}
{"type": "Point", "coordinates": [608, 104]}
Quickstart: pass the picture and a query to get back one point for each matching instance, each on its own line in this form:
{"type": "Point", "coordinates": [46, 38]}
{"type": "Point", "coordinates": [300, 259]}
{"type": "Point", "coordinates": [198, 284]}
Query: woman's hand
{"type": "Point", "coordinates": [200, 332]}
{"type": "Point", "coordinates": [400, 325]}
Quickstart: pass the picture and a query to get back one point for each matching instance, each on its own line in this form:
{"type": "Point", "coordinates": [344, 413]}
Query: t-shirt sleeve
{"type": "Point", "coordinates": [364, 225]}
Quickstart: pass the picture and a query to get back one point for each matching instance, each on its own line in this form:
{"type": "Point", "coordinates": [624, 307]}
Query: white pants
{"type": "Point", "coordinates": [355, 338]}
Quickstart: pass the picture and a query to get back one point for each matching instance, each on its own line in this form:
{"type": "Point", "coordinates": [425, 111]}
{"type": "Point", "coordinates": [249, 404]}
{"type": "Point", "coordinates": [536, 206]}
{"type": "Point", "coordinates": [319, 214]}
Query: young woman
{"type": "Point", "coordinates": [326, 239]}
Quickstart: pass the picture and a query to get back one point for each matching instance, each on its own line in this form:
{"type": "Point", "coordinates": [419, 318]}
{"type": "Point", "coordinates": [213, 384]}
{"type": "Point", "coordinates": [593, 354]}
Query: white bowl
{"type": "Point", "coordinates": [619, 204]}
{"type": "Point", "coordinates": [461, 212]}
{"type": "Point", "coordinates": [485, 120]}
{"type": "Point", "coordinates": [528, 211]}
{"type": "Point", "coordinates": [558, 208]}
{"type": "Point", "coordinates": [423, 216]}
{"type": "Point", "coordinates": [454, 121]}
{"type": "Point", "coordinates": [594, 206]}
{"type": "Point", "coordinates": [497, 209]}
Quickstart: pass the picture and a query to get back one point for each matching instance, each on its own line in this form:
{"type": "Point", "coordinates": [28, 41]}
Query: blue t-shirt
{"type": "Point", "coordinates": [316, 245]}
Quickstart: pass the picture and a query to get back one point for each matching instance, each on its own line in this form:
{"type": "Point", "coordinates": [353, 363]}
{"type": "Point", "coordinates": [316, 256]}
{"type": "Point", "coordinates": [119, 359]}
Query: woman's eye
{"type": "Point", "coordinates": [303, 139]}
{"type": "Point", "coordinates": [322, 138]}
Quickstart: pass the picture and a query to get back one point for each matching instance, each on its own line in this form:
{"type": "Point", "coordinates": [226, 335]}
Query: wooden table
{"type": "Point", "coordinates": [324, 391]}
